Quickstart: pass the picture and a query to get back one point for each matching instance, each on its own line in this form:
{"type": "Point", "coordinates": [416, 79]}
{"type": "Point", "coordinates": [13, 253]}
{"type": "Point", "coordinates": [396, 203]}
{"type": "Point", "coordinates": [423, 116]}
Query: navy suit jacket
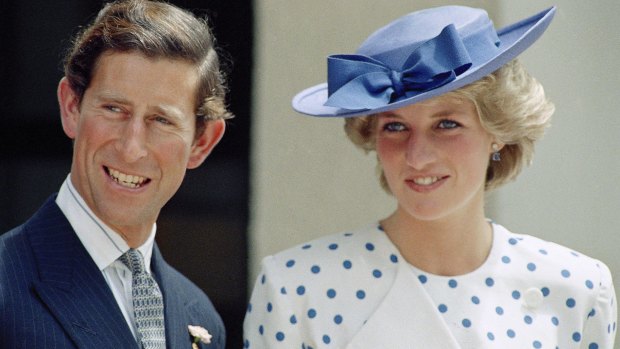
{"type": "Point", "coordinates": [52, 295]}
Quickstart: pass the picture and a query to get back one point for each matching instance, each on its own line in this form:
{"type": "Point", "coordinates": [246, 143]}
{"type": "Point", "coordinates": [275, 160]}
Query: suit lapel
{"type": "Point", "coordinates": [176, 310]}
{"type": "Point", "coordinates": [72, 286]}
{"type": "Point", "coordinates": [416, 322]}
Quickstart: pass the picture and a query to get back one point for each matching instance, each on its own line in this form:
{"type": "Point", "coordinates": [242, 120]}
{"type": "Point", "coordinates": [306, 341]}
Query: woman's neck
{"type": "Point", "coordinates": [449, 247]}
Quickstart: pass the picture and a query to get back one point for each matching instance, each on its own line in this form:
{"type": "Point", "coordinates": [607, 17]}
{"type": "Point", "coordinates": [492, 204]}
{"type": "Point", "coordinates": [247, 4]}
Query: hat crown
{"type": "Point", "coordinates": [393, 43]}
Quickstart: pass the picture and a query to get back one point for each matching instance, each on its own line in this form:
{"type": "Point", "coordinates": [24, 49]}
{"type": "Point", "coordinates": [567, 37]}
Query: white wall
{"type": "Point", "coordinates": [309, 180]}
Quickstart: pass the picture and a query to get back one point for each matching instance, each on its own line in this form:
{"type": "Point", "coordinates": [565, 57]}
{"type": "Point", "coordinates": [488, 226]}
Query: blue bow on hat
{"type": "Point", "coordinates": [434, 63]}
{"type": "Point", "coordinates": [418, 56]}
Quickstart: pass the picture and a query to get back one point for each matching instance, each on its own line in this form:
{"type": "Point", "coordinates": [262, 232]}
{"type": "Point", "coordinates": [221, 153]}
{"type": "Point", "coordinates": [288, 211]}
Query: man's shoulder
{"type": "Point", "coordinates": [174, 282]}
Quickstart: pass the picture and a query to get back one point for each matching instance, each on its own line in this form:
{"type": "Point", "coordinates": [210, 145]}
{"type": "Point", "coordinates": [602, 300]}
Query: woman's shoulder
{"type": "Point", "coordinates": [369, 238]}
{"type": "Point", "coordinates": [354, 251]}
{"type": "Point", "coordinates": [551, 260]}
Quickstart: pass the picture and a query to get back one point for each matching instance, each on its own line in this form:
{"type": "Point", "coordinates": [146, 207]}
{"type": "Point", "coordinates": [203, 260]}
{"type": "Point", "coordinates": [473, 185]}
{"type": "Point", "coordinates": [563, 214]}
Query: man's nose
{"type": "Point", "coordinates": [132, 142]}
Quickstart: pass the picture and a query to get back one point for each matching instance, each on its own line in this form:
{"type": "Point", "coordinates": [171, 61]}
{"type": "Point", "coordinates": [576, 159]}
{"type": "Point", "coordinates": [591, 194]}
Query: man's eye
{"type": "Point", "coordinates": [113, 108]}
{"type": "Point", "coordinates": [394, 127]}
{"type": "Point", "coordinates": [448, 124]}
{"type": "Point", "coordinates": [162, 120]}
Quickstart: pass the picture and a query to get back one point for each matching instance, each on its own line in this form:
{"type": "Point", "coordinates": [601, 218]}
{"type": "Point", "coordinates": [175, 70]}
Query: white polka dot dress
{"type": "Point", "coordinates": [354, 290]}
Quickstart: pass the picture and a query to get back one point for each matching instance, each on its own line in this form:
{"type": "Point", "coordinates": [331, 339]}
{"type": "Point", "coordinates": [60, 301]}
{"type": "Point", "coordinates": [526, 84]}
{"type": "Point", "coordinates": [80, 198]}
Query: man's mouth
{"type": "Point", "coordinates": [126, 180]}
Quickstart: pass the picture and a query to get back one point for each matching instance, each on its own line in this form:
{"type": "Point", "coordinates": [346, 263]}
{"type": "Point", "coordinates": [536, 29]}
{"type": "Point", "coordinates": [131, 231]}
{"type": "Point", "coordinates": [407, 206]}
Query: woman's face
{"type": "Point", "coordinates": [434, 156]}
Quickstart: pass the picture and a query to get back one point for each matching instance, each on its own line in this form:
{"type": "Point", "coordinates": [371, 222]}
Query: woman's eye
{"type": "Point", "coordinates": [394, 127]}
{"type": "Point", "coordinates": [448, 124]}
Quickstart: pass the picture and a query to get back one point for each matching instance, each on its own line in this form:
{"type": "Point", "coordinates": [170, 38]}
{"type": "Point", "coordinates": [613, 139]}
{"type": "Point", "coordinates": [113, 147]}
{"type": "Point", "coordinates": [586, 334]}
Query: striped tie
{"type": "Point", "coordinates": [148, 304]}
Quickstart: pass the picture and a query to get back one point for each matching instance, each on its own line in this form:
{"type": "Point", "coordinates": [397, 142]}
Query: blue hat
{"type": "Point", "coordinates": [418, 56]}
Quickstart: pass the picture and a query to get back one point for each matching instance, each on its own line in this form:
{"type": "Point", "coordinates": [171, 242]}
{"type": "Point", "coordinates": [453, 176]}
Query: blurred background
{"type": "Point", "coordinates": [279, 178]}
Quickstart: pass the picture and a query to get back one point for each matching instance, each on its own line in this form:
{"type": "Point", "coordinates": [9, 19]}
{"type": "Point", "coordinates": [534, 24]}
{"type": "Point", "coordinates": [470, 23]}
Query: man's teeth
{"type": "Point", "coordinates": [425, 180]}
{"type": "Point", "coordinates": [126, 180]}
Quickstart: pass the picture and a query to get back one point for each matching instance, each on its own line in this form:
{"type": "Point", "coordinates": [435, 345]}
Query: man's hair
{"type": "Point", "coordinates": [155, 30]}
{"type": "Point", "coordinates": [512, 107]}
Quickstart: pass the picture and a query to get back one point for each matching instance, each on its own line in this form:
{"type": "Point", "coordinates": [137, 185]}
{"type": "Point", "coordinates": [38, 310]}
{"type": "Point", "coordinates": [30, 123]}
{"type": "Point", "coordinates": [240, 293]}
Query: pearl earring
{"type": "Point", "coordinates": [496, 156]}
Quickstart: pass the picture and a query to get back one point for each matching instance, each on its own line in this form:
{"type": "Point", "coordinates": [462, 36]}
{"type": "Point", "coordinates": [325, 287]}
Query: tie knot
{"type": "Point", "coordinates": [133, 260]}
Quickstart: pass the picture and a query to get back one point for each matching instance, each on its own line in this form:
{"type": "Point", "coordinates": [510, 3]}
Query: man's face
{"type": "Point", "coordinates": [134, 137]}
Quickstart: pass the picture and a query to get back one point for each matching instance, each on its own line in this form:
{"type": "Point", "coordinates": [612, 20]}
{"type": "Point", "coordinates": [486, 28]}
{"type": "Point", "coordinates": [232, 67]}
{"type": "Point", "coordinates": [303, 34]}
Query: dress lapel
{"type": "Point", "coordinates": [72, 286]}
{"type": "Point", "coordinates": [406, 319]}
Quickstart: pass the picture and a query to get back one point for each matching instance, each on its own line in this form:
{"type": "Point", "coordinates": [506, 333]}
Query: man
{"type": "Point", "coordinates": [143, 100]}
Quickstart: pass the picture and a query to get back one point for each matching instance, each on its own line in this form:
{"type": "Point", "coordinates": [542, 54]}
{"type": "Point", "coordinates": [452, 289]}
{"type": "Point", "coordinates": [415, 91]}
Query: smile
{"type": "Point", "coordinates": [126, 180]}
{"type": "Point", "coordinates": [425, 180]}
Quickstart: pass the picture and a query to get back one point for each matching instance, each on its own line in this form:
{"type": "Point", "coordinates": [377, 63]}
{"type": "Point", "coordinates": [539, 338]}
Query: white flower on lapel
{"type": "Point", "coordinates": [199, 334]}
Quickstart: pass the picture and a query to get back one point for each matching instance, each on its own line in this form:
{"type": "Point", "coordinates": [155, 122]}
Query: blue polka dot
{"type": "Point", "coordinates": [393, 258]}
{"type": "Point", "coordinates": [263, 279]}
{"type": "Point", "coordinates": [537, 344]}
{"type": "Point", "coordinates": [331, 293]}
{"type": "Point", "coordinates": [326, 339]}
{"type": "Point", "coordinates": [246, 343]}
{"type": "Point", "coordinates": [261, 329]}
{"type": "Point", "coordinates": [370, 247]}
{"type": "Point", "coordinates": [348, 234]}
{"type": "Point", "coordinates": [516, 294]}
{"type": "Point", "coordinates": [466, 323]}
{"type": "Point", "coordinates": [490, 336]}
{"type": "Point", "coordinates": [577, 337]}
{"type": "Point", "coordinates": [333, 247]}
{"type": "Point", "coordinates": [545, 291]}
{"type": "Point", "coordinates": [490, 282]}
{"type": "Point", "coordinates": [593, 346]}
{"type": "Point", "coordinates": [452, 283]}
{"type": "Point", "coordinates": [570, 303]}
{"type": "Point", "coordinates": [592, 313]}
{"type": "Point", "coordinates": [528, 319]}
{"type": "Point", "coordinates": [301, 290]}
{"type": "Point", "coordinates": [305, 247]}
{"type": "Point", "coordinates": [565, 273]}
{"type": "Point", "coordinates": [555, 321]}
{"type": "Point", "coordinates": [347, 264]}
{"type": "Point", "coordinates": [283, 290]}
{"type": "Point", "coordinates": [312, 313]}
{"type": "Point", "coordinates": [512, 241]}
{"type": "Point", "coordinates": [506, 259]}
{"type": "Point", "coordinates": [338, 319]}
{"type": "Point", "coordinates": [542, 251]}
{"type": "Point", "coordinates": [377, 273]}
{"type": "Point", "coordinates": [269, 307]}
{"type": "Point", "coordinates": [499, 310]}
{"type": "Point", "coordinates": [293, 319]}
{"type": "Point", "coordinates": [315, 269]}
{"type": "Point", "coordinates": [360, 294]}
{"type": "Point", "coordinates": [249, 310]}
{"type": "Point", "coordinates": [280, 336]}
{"type": "Point", "coordinates": [290, 263]}
{"type": "Point", "coordinates": [531, 266]}
{"type": "Point", "coordinates": [589, 284]}
{"type": "Point", "coordinates": [442, 308]}
{"type": "Point", "coordinates": [422, 278]}
{"type": "Point", "coordinates": [475, 300]}
{"type": "Point", "coordinates": [511, 333]}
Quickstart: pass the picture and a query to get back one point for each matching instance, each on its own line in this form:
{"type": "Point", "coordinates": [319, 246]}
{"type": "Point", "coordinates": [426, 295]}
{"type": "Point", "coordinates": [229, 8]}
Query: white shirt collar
{"type": "Point", "coordinates": [102, 243]}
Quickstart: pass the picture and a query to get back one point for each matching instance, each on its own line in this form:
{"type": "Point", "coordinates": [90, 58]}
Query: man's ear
{"type": "Point", "coordinates": [69, 108]}
{"type": "Point", "coordinates": [211, 135]}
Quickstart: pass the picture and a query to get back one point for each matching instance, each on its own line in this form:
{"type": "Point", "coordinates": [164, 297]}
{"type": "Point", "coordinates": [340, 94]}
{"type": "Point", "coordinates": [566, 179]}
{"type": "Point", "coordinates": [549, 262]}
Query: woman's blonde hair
{"type": "Point", "coordinates": [512, 107]}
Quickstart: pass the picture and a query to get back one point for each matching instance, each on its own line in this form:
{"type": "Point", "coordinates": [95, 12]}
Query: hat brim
{"type": "Point", "coordinates": [514, 39]}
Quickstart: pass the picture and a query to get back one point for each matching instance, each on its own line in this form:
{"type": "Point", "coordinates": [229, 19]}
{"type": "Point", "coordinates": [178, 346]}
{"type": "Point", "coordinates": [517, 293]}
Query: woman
{"type": "Point", "coordinates": [451, 114]}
